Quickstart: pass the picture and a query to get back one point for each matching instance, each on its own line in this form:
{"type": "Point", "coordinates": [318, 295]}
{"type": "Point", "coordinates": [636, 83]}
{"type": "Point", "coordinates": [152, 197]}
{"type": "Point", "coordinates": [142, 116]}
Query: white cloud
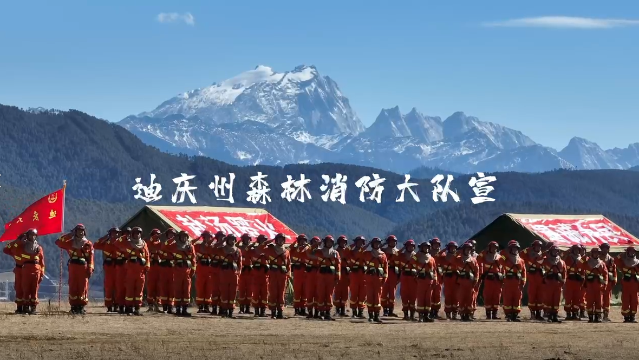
{"type": "Point", "coordinates": [564, 22]}
{"type": "Point", "coordinates": [175, 17]}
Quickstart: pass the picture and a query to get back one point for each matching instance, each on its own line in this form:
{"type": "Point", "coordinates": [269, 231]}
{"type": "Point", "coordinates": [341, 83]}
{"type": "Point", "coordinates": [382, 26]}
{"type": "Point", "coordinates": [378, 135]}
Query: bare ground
{"type": "Point", "coordinates": [54, 335]}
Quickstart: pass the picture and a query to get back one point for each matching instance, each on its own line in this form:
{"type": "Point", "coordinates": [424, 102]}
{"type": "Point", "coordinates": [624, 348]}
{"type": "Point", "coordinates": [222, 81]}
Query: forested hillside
{"type": "Point", "coordinates": [101, 160]}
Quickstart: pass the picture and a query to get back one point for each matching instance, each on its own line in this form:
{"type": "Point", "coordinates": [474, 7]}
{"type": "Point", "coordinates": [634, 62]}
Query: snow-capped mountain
{"type": "Point", "coordinates": [265, 117]}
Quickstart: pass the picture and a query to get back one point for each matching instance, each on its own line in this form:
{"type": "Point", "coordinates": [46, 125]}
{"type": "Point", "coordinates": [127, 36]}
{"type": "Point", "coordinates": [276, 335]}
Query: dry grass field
{"type": "Point", "coordinates": [54, 335]}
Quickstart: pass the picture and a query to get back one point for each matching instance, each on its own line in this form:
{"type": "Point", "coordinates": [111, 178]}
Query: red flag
{"type": "Point", "coordinates": [46, 215]}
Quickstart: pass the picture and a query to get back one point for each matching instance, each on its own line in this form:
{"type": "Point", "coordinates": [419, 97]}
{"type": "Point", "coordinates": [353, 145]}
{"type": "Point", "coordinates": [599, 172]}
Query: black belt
{"type": "Point", "coordinates": [107, 262]}
{"type": "Point", "coordinates": [246, 268]}
{"type": "Point", "coordinates": [296, 266]}
{"type": "Point", "coordinates": [205, 262]}
{"type": "Point", "coordinates": [155, 263]}
{"type": "Point", "coordinates": [183, 263]}
{"type": "Point", "coordinates": [78, 261]}
{"type": "Point", "coordinates": [28, 262]}
{"type": "Point", "coordinates": [120, 261]}
{"type": "Point", "coordinates": [165, 263]}
{"type": "Point", "coordinates": [310, 268]}
{"type": "Point", "coordinates": [18, 266]}
{"type": "Point", "coordinates": [140, 261]}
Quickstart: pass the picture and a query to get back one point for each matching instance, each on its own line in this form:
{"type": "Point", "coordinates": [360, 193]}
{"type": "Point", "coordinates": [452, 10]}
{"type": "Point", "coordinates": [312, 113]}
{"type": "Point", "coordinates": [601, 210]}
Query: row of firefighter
{"type": "Point", "coordinates": [254, 273]}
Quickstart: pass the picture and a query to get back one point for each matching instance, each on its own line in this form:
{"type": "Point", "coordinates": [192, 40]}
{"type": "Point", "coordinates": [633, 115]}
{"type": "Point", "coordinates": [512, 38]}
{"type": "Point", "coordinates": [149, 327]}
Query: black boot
{"type": "Point", "coordinates": [370, 316]}
{"type": "Point", "coordinates": [214, 310]}
{"type": "Point", "coordinates": [222, 313]}
{"type": "Point", "coordinates": [302, 311]}
{"type": "Point", "coordinates": [178, 310]}
{"type": "Point", "coordinates": [385, 312]}
{"type": "Point", "coordinates": [184, 311]}
{"type": "Point", "coordinates": [405, 315]}
{"type": "Point", "coordinates": [230, 314]}
{"type": "Point", "coordinates": [412, 315]}
{"type": "Point", "coordinates": [206, 309]}
{"type": "Point", "coordinates": [538, 316]}
{"type": "Point", "coordinates": [421, 317]}
{"type": "Point", "coordinates": [495, 317]}
{"type": "Point", "coordinates": [514, 318]}
{"type": "Point", "coordinates": [257, 312]}
{"type": "Point", "coordinates": [454, 317]}
{"type": "Point", "coordinates": [449, 316]}
{"type": "Point", "coordinates": [310, 313]}
{"type": "Point", "coordinates": [317, 314]}
{"type": "Point", "coordinates": [376, 318]}
{"type": "Point", "coordinates": [32, 310]}
{"type": "Point", "coordinates": [428, 317]}
{"type": "Point", "coordinates": [109, 309]}
{"type": "Point", "coordinates": [263, 312]}
{"type": "Point", "coordinates": [361, 314]}
{"type": "Point", "coordinates": [591, 318]}
{"type": "Point", "coordinates": [273, 315]}
{"type": "Point", "coordinates": [391, 312]}
{"type": "Point", "coordinates": [343, 312]}
{"type": "Point", "coordinates": [19, 309]}
{"type": "Point", "coordinates": [165, 308]}
{"type": "Point", "coordinates": [297, 312]}
{"type": "Point", "coordinates": [327, 316]}
{"type": "Point", "coordinates": [575, 316]}
{"type": "Point", "coordinates": [632, 319]}
{"type": "Point", "coordinates": [626, 319]}
{"type": "Point", "coordinates": [128, 310]}
{"type": "Point", "coordinates": [280, 314]}
{"type": "Point", "coordinates": [582, 314]}
{"type": "Point", "coordinates": [555, 319]}
{"type": "Point", "coordinates": [121, 310]}
{"type": "Point", "coordinates": [597, 318]}
{"type": "Point", "coordinates": [136, 311]}
{"type": "Point", "coordinates": [489, 314]}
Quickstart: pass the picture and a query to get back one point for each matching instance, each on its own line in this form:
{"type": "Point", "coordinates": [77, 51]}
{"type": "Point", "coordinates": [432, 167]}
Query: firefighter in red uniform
{"type": "Point", "coordinates": [230, 271]}
{"type": "Point", "coordinates": [107, 245]}
{"type": "Point", "coordinates": [297, 252]}
{"type": "Point", "coordinates": [554, 280]}
{"type": "Point", "coordinates": [612, 278]}
{"type": "Point", "coordinates": [216, 262]}
{"type": "Point", "coordinates": [12, 250]}
{"type": "Point", "coordinates": [492, 275]}
{"type": "Point", "coordinates": [390, 286]}
{"type": "Point", "coordinates": [312, 299]}
{"type": "Point", "coordinates": [467, 270]}
{"type": "Point", "coordinates": [167, 263]}
{"type": "Point", "coordinates": [203, 275]}
{"type": "Point", "coordinates": [154, 244]}
{"type": "Point", "coordinates": [533, 257]}
{"type": "Point", "coordinates": [474, 254]}
{"type": "Point", "coordinates": [184, 269]}
{"type": "Point", "coordinates": [446, 260]}
{"type": "Point", "coordinates": [328, 275]}
{"type": "Point", "coordinates": [574, 283]}
{"type": "Point", "coordinates": [260, 276]}
{"type": "Point", "coordinates": [80, 251]}
{"type": "Point", "coordinates": [436, 302]}
{"type": "Point", "coordinates": [357, 276]}
{"type": "Point", "coordinates": [582, 304]}
{"type": "Point", "coordinates": [596, 282]}
{"type": "Point", "coordinates": [408, 279]}
{"type": "Point", "coordinates": [426, 268]}
{"type": "Point", "coordinates": [32, 271]}
{"type": "Point", "coordinates": [376, 274]}
{"type": "Point", "coordinates": [244, 287]}
{"type": "Point", "coordinates": [629, 266]}
{"type": "Point", "coordinates": [341, 290]}
{"type": "Point", "coordinates": [120, 271]}
{"type": "Point", "coordinates": [279, 272]}
{"type": "Point", "coordinates": [137, 265]}
{"type": "Point", "coordinates": [514, 269]}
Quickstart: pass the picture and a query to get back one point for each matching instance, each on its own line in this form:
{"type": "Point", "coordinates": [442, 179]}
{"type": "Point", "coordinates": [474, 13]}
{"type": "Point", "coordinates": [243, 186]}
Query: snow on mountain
{"type": "Point", "coordinates": [424, 128]}
{"type": "Point", "coordinates": [628, 157]}
{"type": "Point", "coordinates": [301, 97]}
{"type": "Point", "coordinates": [389, 122]}
{"type": "Point", "coordinates": [503, 137]}
{"type": "Point", "coordinates": [585, 154]}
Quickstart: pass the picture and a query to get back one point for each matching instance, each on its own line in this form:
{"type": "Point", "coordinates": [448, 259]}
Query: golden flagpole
{"type": "Point", "coordinates": [64, 200]}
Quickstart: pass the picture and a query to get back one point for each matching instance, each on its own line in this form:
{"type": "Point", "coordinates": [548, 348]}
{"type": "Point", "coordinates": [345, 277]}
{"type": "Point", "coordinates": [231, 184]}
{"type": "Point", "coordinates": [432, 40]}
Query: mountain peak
{"type": "Point", "coordinates": [263, 68]}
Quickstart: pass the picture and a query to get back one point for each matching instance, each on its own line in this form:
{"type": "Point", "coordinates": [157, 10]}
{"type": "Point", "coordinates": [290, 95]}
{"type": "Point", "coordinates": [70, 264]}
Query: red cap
{"type": "Point", "coordinates": [536, 242]}
{"type": "Point", "coordinates": [391, 237]}
{"type": "Point", "coordinates": [493, 243]}
{"type": "Point", "coordinates": [513, 243]}
{"type": "Point", "coordinates": [409, 242]}
{"type": "Point", "coordinates": [155, 231]}
{"type": "Point", "coordinates": [452, 243]}
{"type": "Point", "coordinates": [435, 241]}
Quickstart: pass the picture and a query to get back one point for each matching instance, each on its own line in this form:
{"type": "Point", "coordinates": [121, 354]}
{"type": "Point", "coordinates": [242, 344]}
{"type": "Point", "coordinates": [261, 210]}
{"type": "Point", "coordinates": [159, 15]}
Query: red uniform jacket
{"type": "Point", "coordinates": [629, 270]}
{"type": "Point", "coordinates": [184, 258]}
{"type": "Point", "coordinates": [378, 265]}
{"type": "Point", "coordinates": [279, 262]}
{"type": "Point", "coordinates": [514, 270]}
{"type": "Point", "coordinates": [83, 255]}
{"type": "Point", "coordinates": [231, 261]}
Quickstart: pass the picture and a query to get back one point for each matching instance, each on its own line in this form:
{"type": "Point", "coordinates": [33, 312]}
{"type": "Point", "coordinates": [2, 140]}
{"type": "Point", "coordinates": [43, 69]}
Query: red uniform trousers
{"type": "Point", "coordinates": [408, 292]}
{"type": "Point", "coordinates": [436, 301]}
{"type": "Point", "coordinates": [475, 294]}
{"type": "Point", "coordinates": [572, 295]}
{"type": "Point", "coordinates": [181, 285]}
{"type": "Point", "coordinates": [464, 294]}
{"type": "Point", "coordinates": [228, 288]}
{"type": "Point", "coordinates": [109, 283]}
{"type": "Point", "coordinates": [167, 293]}
{"type": "Point", "coordinates": [582, 303]}
{"type": "Point", "coordinates": [450, 294]}
{"type": "Point", "coordinates": [492, 293]}
{"type": "Point", "coordinates": [260, 289]}
{"type": "Point", "coordinates": [629, 297]}
{"type": "Point", "coordinates": [358, 289]}
{"type": "Point", "coordinates": [389, 290]}
{"type": "Point", "coordinates": [120, 284]}
{"type": "Point", "coordinates": [607, 296]}
{"type": "Point", "coordinates": [78, 284]}
{"type": "Point", "coordinates": [535, 291]}
{"type": "Point", "coordinates": [299, 288]}
{"type": "Point", "coordinates": [311, 289]}
{"type": "Point", "coordinates": [215, 294]}
{"type": "Point", "coordinates": [245, 287]}
{"type": "Point", "coordinates": [203, 285]}
{"type": "Point", "coordinates": [552, 292]}
{"type": "Point", "coordinates": [153, 285]}
{"type": "Point", "coordinates": [341, 291]}
{"type": "Point", "coordinates": [276, 289]}
{"type": "Point", "coordinates": [325, 285]}
{"type": "Point", "coordinates": [17, 285]}
{"type": "Point", "coordinates": [424, 295]}
{"type": "Point", "coordinates": [31, 276]}
{"type": "Point", "coordinates": [374, 286]}
{"type": "Point", "coordinates": [512, 296]}
{"type": "Point", "coordinates": [594, 297]}
{"type": "Point", "coordinates": [135, 276]}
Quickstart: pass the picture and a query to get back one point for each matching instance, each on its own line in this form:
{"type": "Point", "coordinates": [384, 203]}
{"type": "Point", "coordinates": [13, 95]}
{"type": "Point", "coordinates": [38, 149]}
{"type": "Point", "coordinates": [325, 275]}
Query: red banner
{"type": "Point", "coordinates": [44, 215]}
{"type": "Point", "coordinates": [254, 224]}
{"type": "Point", "coordinates": [589, 232]}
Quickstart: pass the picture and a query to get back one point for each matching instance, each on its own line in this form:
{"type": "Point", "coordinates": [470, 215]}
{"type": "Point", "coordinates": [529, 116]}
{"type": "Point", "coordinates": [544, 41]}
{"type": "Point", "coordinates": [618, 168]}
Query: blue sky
{"type": "Point", "coordinates": [550, 78]}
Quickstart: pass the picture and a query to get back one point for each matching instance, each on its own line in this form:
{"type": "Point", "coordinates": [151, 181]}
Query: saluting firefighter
{"type": "Point", "coordinates": [604, 255]}
{"type": "Point", "coordinates": [341, 290]}
{"type": "Point", "coordinates": [533, 257]}
{"type": "Point", "coordinates": [167, 294]}
{"type": "Point", "coordinates": [376, 275]}
{"type": "Point", "coordinates": [297, 252]}
{"type": "Point", "coordinates": [582, 304]}
{"type": "Point", "coordinates": [230, 271]}
{"type": "Point", "coordinates": [154, 245]}
{"type": "Point", "coordinates": [474, 254]}
{"type": "Point", "coordinates": [596, 282]}
{"type": "Point", "coordinates": [436, 303]}
{"type": "Point", "coordinates": [184, 270]}
{"type": "Point", "coordinates": [312, 264]}
{"type": "Point", "coordinates": [216, 263]}
{"type": "Point", "coordinates": [328, 275]}
{"type": "Point", "coordinates": [203, 274]}
{"type": "Point", "coordinates": [574, 283]}
{"type": "Point", "coordinates": [80, 251]}
{"type": "Point", "coordinates": [244, 287]}
{"type": "Point", "coordinates": [106, 244]}
{"type": "Point", "coordinates": [446, 260]}
{"type": "Point", "coordinates": [357, 277]}
{"type": "Point", "coordinates": [467, 270]}
{"type": "Point", "coordinates": [554, 280]}
{"type": "Point", "coordinates": [260, 276]}
{"type": "Point", "coordinates": [279, 273]}
{"type": "Point", "coordinates": [12, 249]}
{"type": "Point", "coordinates": [120, 271]}
{"type": "Point", "coordinates": [137, 265]}
{"type": "Point", "coordinates": [493, 277]}
{"type": "Point", "coordinates": [426, 268]}
{"type": "Point", "coordinates": [390, 286]}
{"type": "Point", "coordinates": [408, 279]}
{"type": "Point", "coordinates": [32, 271]}
{"type": "Point", "coordinates": [629, 266]}
{"type": "Point", "coordinates": [514, 269]}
